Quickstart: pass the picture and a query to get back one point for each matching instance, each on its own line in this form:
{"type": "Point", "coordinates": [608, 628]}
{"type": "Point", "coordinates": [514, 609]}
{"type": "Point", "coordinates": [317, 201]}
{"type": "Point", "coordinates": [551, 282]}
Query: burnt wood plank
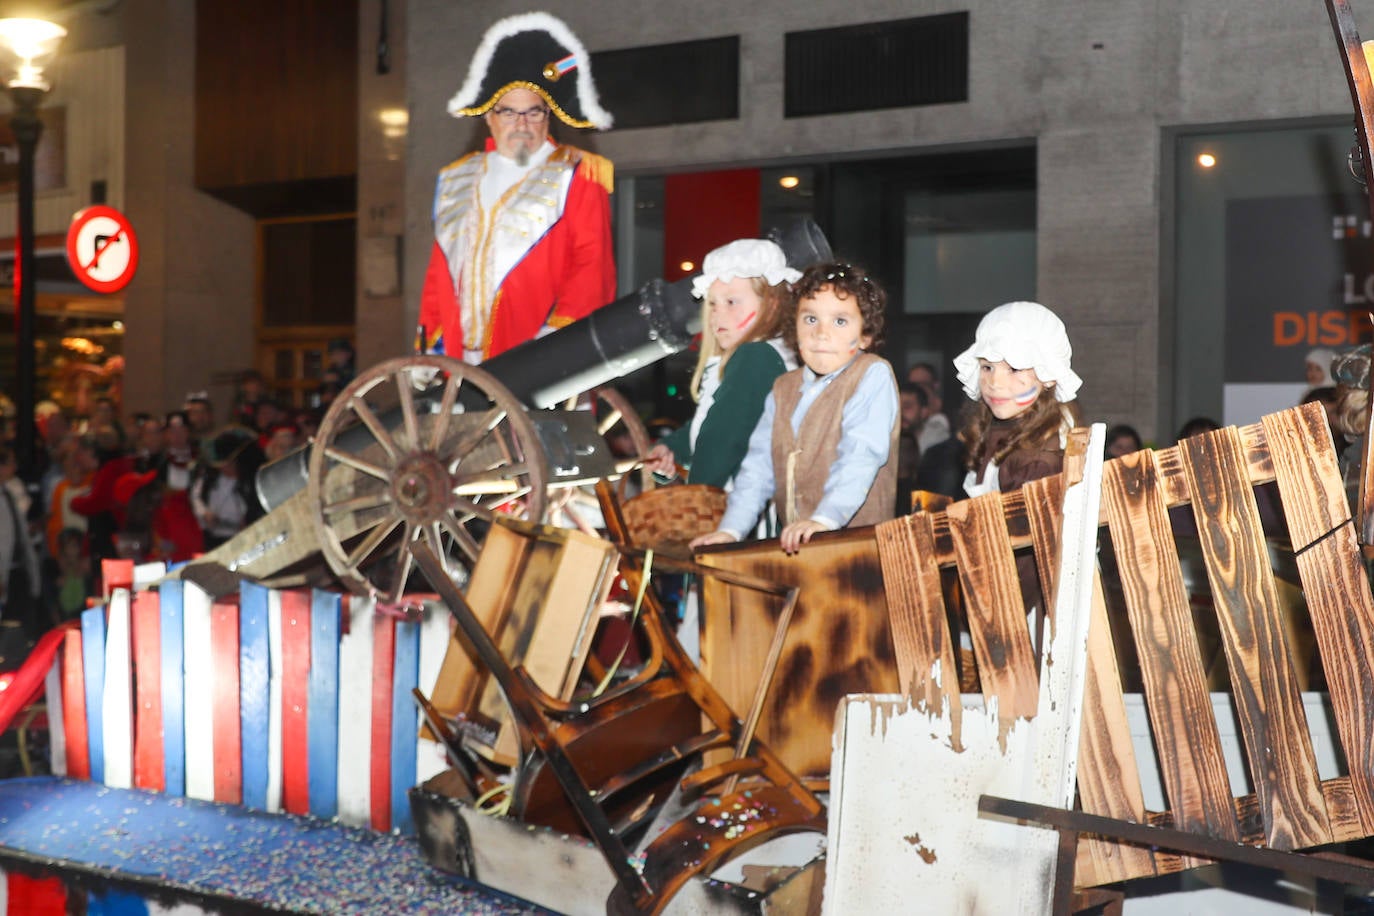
{"type": "Point", "coordinates": [1259, 464]}
{"type": "Point", "coordinates": [1108, 775]}
{"type": "Point", "coordinates": [1258, 468]}
{"type": "Point", "coordinates": [1017, 525]}
{"type": "Point", "coordinates": [1172, 484]}
{"type": "Point", "coordinates": [1338, 799]}
{"type": "Point", "coordinates": [1337, 869]}
{"type": "Point", "coordinates": [1268, 702]}
{"type": "Point", "coordinates": [1342, 810]}
{"type": "Point", "coordinates": [462, 677]}
{"type": "Point", "coordinates": [1044, 514]}
{"type": "Point", "coordinates": [1180, 710]}
{"type": "Point", "coordinates": [996, 614]}
{"type": "Point", "coordinates": [1044, 500]}
{"type": "Point", "coordinates": [838, 643]}
{"type": "Point", "coordinates": [1334, 583]}
{"type": "Point", "coordinates": [1340, 803]}
{"type": "Point", "coordinates": [916, 611]}
{"type": "Point", "coordinates": [1108, 778]}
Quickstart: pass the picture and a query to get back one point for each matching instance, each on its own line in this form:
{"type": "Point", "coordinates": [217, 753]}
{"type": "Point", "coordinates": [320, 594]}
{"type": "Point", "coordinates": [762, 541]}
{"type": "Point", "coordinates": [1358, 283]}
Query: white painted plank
{"type": "Point", "coordinates": [1052, 768]}
{"type": "Point", "coordinates": [904, 822]}
{"type": "Point", "coordinates": [117, 705]}
{"type": "Point", "coordinates": [276, 672]}
{"type": "Point", "coordinates": [145, 574]}
{"type": "Point", "coordinates": [198, 687]}
{"type": "Point", "coordinates": [355, 715]}
{"type": "Point", "coordinates": [179, 909]}
{"type": "Point", "coordinates": [57, 731]}
{"type": "Point", "coordinates": [435, 634]}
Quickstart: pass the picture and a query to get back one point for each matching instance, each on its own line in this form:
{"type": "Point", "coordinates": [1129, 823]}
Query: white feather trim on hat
{"type": "Point", "coordinates": [744, 258]}
{"type": "Point", "coordinates": [466, 96]}
{"type": "Point", "coordinates": [1027, 336]}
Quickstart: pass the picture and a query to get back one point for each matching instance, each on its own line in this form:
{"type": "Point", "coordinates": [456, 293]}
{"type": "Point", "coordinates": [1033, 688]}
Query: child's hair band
{"type": "Point", "coordinates": [845, 270]}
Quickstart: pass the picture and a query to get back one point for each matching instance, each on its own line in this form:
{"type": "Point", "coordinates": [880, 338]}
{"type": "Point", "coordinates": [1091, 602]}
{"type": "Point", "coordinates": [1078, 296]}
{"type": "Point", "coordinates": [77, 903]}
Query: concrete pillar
{"type": "Point", "coordinates": [385, 325]}
{"type": "Point", "coordinates": [190, 313]}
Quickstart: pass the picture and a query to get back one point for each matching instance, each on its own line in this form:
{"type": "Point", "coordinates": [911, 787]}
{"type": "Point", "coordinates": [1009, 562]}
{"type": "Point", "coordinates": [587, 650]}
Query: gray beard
{"type": "Point", "coordinates": [522, 156]}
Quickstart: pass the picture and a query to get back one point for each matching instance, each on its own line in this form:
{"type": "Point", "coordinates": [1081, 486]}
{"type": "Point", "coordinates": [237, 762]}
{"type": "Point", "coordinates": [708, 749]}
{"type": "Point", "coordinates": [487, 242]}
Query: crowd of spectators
{"type": "Point", "coordinates": [141, 487]}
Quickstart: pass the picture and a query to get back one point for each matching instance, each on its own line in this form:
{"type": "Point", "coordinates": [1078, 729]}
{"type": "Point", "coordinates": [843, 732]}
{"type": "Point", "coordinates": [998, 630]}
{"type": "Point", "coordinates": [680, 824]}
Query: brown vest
{"type": "Point", "coordinates": [801, 462]}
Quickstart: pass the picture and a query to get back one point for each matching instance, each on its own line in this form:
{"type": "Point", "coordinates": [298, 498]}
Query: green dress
{"type": "Point", "coordinates": [734, 410]}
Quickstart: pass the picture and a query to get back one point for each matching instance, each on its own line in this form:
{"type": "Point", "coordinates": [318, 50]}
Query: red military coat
{"type": "Point", "coordinates": [565, 268]}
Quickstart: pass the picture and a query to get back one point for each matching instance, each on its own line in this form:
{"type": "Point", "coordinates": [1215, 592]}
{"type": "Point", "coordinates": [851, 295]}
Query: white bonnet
{"type": "Point", "coordinates": [744, 258]}
{"type": "Point", "coordinates": [1323, 359]}
{"type": "Point", "coordinates": [1028, 336]}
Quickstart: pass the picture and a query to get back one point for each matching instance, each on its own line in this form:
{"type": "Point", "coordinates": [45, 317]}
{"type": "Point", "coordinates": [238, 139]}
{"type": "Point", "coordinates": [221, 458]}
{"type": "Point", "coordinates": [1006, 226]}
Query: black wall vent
{"type": "Point", "coordinates": [679, 83]}
{"type": "Point", "coordinates": [905, 62]}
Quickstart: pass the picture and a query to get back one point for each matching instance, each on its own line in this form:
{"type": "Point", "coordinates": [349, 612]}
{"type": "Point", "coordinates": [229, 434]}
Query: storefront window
{"type": "Point", "coordinates": [78, 335]}
{"type": "Point", "coordinates": [1271, 249]}
{"type": "Point", "coordinates": [950, 236]}
{"type": "Point", "coordinates": [926, 226]}
{"type": "Point", "coordinates": [79, 357]}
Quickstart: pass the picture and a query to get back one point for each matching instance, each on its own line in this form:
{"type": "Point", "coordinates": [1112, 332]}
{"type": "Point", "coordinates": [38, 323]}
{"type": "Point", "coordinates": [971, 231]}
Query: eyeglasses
{"type": "Point", "coordinates": [535, 115]}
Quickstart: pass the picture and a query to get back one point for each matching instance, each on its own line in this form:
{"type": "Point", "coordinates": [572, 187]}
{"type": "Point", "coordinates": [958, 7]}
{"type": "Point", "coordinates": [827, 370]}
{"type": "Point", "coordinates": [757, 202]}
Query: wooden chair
{"type": "Point", "coordinates": [602, 766]}
{"type": "Point", "coordinates": [1285, 806]}
{"type": "Point", "coordinates": [539, 593]}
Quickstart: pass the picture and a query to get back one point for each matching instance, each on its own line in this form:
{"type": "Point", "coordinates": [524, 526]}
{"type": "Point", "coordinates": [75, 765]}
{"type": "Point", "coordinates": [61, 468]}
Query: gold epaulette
{"type": "Point", "coordinates": [599, 169]}
{"type": "Point", "coordinates": [457, 162]}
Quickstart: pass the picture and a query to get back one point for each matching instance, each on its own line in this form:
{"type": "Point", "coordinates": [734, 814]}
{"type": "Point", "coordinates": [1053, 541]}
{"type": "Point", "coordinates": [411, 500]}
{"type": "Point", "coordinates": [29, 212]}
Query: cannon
{"type": "Point", "coordinates": [427, 448]}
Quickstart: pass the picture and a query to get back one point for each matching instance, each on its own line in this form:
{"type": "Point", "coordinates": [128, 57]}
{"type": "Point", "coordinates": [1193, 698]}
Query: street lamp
{"type": "Point", "coordinates": [26, 46]}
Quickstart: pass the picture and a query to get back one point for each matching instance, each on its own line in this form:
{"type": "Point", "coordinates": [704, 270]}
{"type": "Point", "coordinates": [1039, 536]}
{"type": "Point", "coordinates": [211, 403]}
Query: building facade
{"type": "Point", "coordinates": [1067, 173]}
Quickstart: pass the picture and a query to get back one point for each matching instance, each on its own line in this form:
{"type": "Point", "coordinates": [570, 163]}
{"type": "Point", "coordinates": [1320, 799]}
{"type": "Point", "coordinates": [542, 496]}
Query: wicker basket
{"type": "Point", "coordinates": [667, 518]}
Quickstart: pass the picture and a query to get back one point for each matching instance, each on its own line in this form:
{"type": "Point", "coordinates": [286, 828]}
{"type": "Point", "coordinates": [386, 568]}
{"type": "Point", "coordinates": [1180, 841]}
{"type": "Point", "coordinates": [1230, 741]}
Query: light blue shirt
{"type": "Point", "coordinates": [865, 439]}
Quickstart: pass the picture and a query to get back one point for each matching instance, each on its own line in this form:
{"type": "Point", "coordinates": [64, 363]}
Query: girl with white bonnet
{"type": "Point", "coordinates": [744, 289]}
{"type": "Point", "coordinates": [1018, 373]}
{"type": "Point", "coordinates": [1317, 369]}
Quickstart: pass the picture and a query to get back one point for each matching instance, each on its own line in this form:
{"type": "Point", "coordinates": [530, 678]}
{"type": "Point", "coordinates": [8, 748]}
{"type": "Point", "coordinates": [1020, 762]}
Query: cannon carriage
{"type": "Point", "coordinates": [422, 467]}
{"type": "Point", "coordinates": [427, 448]}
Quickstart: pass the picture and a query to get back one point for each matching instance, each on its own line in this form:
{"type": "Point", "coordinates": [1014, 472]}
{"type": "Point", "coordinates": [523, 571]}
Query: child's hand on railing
{"type": "Point", "coordinates": [798, 533]}
{"type": "Point", "coordinates": [715, 537]}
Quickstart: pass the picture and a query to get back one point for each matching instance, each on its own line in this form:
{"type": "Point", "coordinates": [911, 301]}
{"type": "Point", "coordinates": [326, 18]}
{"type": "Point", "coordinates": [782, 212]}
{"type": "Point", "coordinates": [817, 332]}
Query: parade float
{"type": "Point", "coordinates": [384, 696]}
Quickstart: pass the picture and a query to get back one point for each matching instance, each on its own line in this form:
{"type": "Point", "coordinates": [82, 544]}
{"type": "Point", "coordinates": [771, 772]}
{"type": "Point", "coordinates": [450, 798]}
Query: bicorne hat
{"type": "Point", "coordinates": [538, 52]}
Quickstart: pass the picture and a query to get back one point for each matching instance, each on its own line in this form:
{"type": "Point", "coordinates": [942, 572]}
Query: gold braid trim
{"type": "Point", "coordinates": [491, 323]}
{"type": "Point", "coordinates": [477, 110]}
{"type": "Point", "coordinates": [459, 161]}
{"type": "Point", "coordinates": [598, 169]}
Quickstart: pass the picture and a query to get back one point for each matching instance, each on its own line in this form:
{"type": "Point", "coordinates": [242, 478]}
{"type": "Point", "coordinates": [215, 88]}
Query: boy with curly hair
{"type": "Point", "coordinates": [825, 448]}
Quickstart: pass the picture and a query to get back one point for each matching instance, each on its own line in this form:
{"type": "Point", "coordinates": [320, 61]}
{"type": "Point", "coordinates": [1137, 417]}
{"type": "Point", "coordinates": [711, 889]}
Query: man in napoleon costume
{"type": "Point", "coordinates": [522, 230]}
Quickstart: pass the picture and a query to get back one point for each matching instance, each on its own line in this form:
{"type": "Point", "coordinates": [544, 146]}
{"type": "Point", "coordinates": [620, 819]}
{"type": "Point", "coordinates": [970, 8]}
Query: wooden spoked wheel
{"type": "Point", "coordinates": [615, 417]}
{"type": "Point", "coordinates": [422, 448]}
{"type": "Point", "coordinates": [615, 414]}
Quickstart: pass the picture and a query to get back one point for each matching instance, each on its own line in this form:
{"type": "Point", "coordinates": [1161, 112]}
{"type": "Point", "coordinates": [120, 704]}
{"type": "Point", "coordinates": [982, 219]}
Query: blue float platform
{"type": "Point", "coordinates": [101, 841]}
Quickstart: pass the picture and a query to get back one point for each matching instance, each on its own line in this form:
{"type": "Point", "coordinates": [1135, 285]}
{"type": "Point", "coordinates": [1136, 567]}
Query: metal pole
{"type": "Point", "coordinates": [27, 128]}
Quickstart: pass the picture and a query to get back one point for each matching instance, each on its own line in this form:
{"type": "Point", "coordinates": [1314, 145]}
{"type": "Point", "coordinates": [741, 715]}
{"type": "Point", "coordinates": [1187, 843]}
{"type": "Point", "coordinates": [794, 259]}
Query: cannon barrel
{"type": "Point", "coordinates": [634, 331]}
